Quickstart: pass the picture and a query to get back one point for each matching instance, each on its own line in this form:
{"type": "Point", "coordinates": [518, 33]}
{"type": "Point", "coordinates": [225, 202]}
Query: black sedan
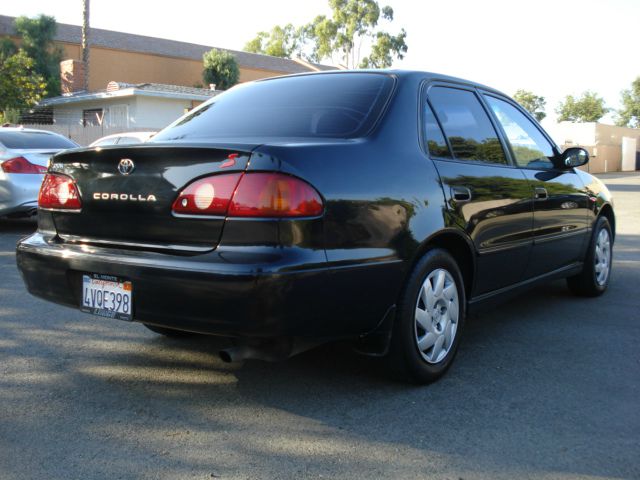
{"type": "Point", "coordinates": [375, 206]}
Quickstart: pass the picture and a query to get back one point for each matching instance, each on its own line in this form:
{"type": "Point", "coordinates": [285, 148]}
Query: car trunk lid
{"type": "Point", "coordinates": [132, 207]}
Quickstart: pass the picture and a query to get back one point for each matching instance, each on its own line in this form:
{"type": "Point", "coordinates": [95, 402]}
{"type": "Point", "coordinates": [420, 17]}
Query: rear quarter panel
{"type": "Point", "coordinates": [383, 198]}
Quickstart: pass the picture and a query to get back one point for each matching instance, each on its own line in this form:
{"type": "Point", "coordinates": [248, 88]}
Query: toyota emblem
{"type": "Point", "coordinates": [126, 166]}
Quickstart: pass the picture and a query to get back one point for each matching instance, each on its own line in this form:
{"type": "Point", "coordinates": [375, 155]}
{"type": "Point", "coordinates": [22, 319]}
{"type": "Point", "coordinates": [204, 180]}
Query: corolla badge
{"type": "Point", "coordinates": [126, 166]}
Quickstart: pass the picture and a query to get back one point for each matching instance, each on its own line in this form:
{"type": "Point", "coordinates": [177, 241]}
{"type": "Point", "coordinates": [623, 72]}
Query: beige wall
{"type": "Point", "coordinates": [133, 67]}
{"type": "Point", "coordinates": [603, 142]}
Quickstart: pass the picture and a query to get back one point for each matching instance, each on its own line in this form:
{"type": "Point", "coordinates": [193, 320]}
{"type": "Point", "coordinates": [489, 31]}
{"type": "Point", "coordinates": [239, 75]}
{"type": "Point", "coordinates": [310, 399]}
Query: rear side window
{"type": "Point", "coordinates": [326, 105]}
{"type": "Point", "coordinates": [34, 140]}
{"type": "Point", "coordinates": [436, 143]}
{"type": "Point", "coordinates": [466, 125]}
{"type": "Point", "coordinates": [106, 141]}
{"type": "Point", "coordinates": [128, 140]}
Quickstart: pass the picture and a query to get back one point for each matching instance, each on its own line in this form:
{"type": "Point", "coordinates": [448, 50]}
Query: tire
{"type": "Point", "coordinates": [429, 319]}
{"type": "Point", "coordinates": [168, 332]}
{"type": "Point", "coordinates": [594, 278]}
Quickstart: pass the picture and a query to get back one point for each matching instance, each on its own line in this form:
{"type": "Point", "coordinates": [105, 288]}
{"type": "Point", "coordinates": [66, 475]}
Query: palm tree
{"type": "Point", "coordinates": [85, 42]}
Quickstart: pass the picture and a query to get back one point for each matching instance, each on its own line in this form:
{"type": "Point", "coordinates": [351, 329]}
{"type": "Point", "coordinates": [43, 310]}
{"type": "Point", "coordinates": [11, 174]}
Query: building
{"type": "Point", "coordinates": [120, 107]}
{"type": "Point", "coordinates": [611, 148]}
{"type": "Point", "coordinates": [138, 59]}
{"type": "Point", "coordinates": [157, 81]}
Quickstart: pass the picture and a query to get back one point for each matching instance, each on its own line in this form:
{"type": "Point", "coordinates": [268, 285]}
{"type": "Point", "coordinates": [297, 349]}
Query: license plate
{"type": "Point", "coordinates": [106, 296]}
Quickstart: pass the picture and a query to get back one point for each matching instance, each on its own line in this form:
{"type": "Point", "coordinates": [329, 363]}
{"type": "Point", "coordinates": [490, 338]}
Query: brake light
{"type": "Point", "coordinates": [274, 195]}
{"type": "Point", "coordinates": [59, 192]}
{"type": "Point", "coordinates": [249, 195]}
{"type": "Point", "coordinates": [21, 165]}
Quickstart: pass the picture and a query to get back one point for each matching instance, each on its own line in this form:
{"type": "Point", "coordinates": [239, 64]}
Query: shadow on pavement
{"type": "Point", "coordinates": [528, 395]}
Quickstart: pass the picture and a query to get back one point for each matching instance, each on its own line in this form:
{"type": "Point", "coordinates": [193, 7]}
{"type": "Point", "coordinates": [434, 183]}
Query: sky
{"type": "Point", "coordinates": [550, 47]}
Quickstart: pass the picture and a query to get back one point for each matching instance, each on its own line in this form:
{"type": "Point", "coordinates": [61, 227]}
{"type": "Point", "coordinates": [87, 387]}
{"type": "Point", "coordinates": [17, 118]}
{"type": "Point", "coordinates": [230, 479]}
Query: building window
{"type": "Point", "coordinates": [92, 117]}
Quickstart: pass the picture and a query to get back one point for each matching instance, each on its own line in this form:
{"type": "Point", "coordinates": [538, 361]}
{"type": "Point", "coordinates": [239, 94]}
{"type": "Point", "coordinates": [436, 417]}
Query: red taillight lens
{"type": "Point", "coordinates": [274, 195]}
{"type": "Point", "coordinates": [21, 165]}
{"type": "Point", "coordinates": [59, 192]}
{"type": "Point", "coordinates": [207, 196]}
{"type": "Point", "coordinates": [249, 195]}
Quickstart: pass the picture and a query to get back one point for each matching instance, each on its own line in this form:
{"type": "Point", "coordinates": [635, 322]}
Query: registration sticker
{"type": "Point", "coordinates": [107, 296]}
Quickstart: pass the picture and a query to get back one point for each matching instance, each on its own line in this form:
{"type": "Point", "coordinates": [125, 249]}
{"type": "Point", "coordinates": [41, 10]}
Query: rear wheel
{"type": "Point", "coordinates": [594, 278]}
{"type": "Point", "coordinates": [429, 319]}
{"type": "Point", "coordinates": [167, 332]}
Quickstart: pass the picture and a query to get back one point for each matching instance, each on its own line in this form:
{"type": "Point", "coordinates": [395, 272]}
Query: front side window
{"type": "Point", "coordinates": [466, 125]}
{"type": "Point", "coordinates": [530, 148]}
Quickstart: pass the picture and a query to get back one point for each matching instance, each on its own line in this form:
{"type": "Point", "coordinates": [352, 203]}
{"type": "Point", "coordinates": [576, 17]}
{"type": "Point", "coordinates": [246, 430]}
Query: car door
{"type": "Point", "coordinates": [561, 205]}
{"type": "Point", "coordinates": [486, 196]}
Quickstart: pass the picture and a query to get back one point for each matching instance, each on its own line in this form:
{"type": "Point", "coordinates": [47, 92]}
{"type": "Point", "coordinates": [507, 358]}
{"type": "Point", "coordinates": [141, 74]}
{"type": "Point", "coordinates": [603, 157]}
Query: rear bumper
{"type": "Point", "coordinates": [249, 292]}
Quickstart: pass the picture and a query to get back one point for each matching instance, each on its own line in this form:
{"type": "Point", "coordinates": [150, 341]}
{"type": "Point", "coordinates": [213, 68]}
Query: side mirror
{"type": "Point", "coordinates": [574, 157]}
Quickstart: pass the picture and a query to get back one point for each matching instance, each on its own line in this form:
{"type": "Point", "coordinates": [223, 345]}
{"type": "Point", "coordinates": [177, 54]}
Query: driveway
{"type": "Point", "coordinates": [546, 387]}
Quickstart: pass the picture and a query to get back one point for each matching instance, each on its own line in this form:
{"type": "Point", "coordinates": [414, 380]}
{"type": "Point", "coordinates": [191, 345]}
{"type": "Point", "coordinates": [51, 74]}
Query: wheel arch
{"type": "Point", "coordinates": [607, 211]}
{"type": "Point", "coordinates": [459, 246]}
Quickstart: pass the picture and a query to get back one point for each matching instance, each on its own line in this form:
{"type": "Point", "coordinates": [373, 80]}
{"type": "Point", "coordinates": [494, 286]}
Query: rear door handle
{"type": "Point", "coordinates": [541, 193]}
{"type": "Point", "coordinates": [461, 194]}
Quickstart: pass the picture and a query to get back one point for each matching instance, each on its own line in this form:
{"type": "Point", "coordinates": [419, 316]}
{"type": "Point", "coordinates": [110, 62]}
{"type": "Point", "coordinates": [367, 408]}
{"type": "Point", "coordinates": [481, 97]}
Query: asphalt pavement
{"type": "Point", "coordinates": [546, 386]}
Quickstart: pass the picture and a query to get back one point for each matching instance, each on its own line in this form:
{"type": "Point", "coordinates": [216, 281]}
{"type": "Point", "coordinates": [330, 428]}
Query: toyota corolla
{"type": "Point", "coordinates": [374, 206]}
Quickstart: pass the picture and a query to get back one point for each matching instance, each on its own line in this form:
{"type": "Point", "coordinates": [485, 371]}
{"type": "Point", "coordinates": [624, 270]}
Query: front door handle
{"type": "Point", "coordinates": [461, 194]}
{"type": "Point", "coordinates": [541, 193]}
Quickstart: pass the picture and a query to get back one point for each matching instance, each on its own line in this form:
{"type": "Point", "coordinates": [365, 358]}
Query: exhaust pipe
{"type": "Point", "coordinates": [240, 353]}
{"type": "Point", "coordinates": [269, 351]}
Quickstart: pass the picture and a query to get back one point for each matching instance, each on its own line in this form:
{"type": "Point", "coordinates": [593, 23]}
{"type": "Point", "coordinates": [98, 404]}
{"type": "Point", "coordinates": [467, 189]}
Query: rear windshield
{"type": "Point", "coordinates": [34, 140]}
{"type": "Point", "coordinates": [332, 105]}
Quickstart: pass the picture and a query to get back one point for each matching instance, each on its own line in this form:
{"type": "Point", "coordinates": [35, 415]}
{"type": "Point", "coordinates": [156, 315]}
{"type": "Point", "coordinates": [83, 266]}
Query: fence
{"type": "Point", "coordinates": [84, 135]}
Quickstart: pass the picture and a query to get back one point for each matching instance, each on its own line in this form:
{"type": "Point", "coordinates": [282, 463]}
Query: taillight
{"type": "Point", "coordinates": [207, 196]}
{"type": "Point", "coordinates": [59, 192]}
{"type": "Point", "coordinates": [21, 165]}
{"type": "Point", "coordinates": [249, 195]}
{"type": "Point", "coordinates": [274, 195]}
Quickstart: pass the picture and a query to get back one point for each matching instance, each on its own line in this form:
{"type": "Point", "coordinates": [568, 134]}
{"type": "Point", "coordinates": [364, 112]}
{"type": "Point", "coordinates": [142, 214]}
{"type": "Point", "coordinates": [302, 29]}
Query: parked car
{"type": "Point", "coordinates": [24, 154]}
{"type": "Point", "coordinates": [377, 206]}
{"type": "Point", "coordinates": [123, 139]}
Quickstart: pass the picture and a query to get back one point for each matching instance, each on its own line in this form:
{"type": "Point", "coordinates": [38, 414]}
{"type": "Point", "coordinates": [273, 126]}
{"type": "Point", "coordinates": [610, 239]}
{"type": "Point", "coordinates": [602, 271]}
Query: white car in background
{"type": "Point", "coordinates": [24, 155]}
{"type": "Point", "coordinates": [123, 139]}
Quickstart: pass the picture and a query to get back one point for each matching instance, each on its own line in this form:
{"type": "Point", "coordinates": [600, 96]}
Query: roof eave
{"type": "Point", "coordinates": [127, 92]}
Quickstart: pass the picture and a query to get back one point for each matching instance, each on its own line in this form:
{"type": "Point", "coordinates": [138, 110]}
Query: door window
{"type": "Point", "coordinates": [530, 148]}
{"type": "Point", "coordinates": [466, 125]}
{"type": "Point", "coordinates": [436, 143]}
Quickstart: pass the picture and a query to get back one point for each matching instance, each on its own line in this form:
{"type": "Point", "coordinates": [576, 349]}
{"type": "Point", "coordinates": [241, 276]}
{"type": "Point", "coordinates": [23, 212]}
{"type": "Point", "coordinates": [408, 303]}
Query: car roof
{"type": "Point", "coordinates": [26, 130]}
{"type": "Point", "coordinates": [140, 135]}
{"type": "Point", "coordinates": [399, 73]}
{"type": "Point", "coordinates": [128, 134]}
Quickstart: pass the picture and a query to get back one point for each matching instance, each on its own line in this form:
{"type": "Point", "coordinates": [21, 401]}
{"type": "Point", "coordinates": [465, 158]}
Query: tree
{"type": "Point", "coordinates": [532, 103]}
{"type": "Point", "coordinates": [7, 47]}
{"type": "Point", "coordinates": [37, 36]}
{"type": "Point", "coordinates": [280, 42]}
{"type": "Point", "coordinates": [85, 41]}
{"type": "Point", "coordinates": [351, 29]}
{"type": "Point", "coordinates": [588, 108]}
{"type": "Point", "coordinates": [220, 68]}
{"type": "Point", "coordinates": [21, 86]}
{"type": "Point", "coordinates": [629, 114]}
